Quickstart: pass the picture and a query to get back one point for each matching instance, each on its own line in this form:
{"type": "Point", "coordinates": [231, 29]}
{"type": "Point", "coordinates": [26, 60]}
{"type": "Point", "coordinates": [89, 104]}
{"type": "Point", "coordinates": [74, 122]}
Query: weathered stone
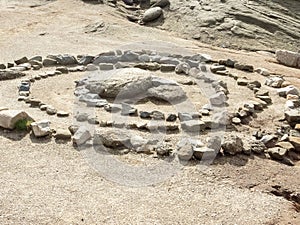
{"type": "Point", "coordinates": [2, 66]}
{"type": "Point", "coordinates": [106, 66]}
{"type": "Point", "coordinates": [185, 116]}
{"type": "Point", "coordinates": [62, 134]}
{"type": "Point", "coordinates": [129, 56]}
{"type": "Point", "coordinates": [228, 62]}
{"type": "Point", "coordinates": [117, 138]}
{"type": "Point", "coordinates": [262, 71]}
{"type": "Point", "coordinates": [193, 126]}
{"type": "Point", "coordinates": [182, 68]}
{"type": "Point", "coordinates": [283, 92]}
{"type": "Point", "coordinates": [215, 68]}
{"type": "Point", "coordinates": [171, 117]}
{"type": "Point", "coordinates": [49, 62]}
{"type": "Point", "coordinates": [81, 136]}
{"type": "Point", "coordinates": [277, 153]}
{"type": "Point", "coordinates": [269, 140]}
{"type": "Point", "coordinates": [145, 115]}
{"type": "Point", "coordinates": [152, 14]}
{"type": "Point", "coordinates": [168, 61]}
{"type": "Point", "coordinates": [257, 146]}
{"type": "Point", "coordinates": [62, 114]}
{"type": "Point", "coordinates": [288, 58]}
{"type": "Point", "coordinates": [81, 117]}
{"type": "Point", "coordinates": [204, 153]}
{"type": "Point", "coordinates": [10, 74]}
{"type": "Point", "coordinates": [148, 66]}
{"type": "Point", "coordinates": [274, 82]}
{"type": "Point", "coordinates": [85, 60]}
{"type": "Point", "coordinates": [286, 145]}
{"type": "Point", "coordinates": [232, 145]}
{"type": "Point", "coordinates": [21, 60]}
{"type": "Point", "coordinates": [236, 120]}
{"type": "Point", "coordinates": [295, 142]}
{"type": "Point", "coordinates": [73, 129]}
{"type": "Point", "coordinates": [185, 152]}
{"type": "Point", "coordinates": [41, 128]}
{"type": "Point", "coordinates": [242, 82]}
{"type": "Point", "coordinates": [218, 99]}
{"type": "Point", "coordinates": [8, 118]}
{"type": "Point", "coordinates": [244, 67]}
{"type": "Point", "coordinates": [36, 58]}
{"type": "Point", "coordinates": [214, 142]}
{"type": "Point", "coordinates": [62, 69]}
{"type": "Point", "coordinates": [266, 99]}
{"type": "Point", "coordinates": [64, 59]}
{"type": "Point", "coordinates": [51, 111]}
{"type": "Point", "coordinates": [292, 116]}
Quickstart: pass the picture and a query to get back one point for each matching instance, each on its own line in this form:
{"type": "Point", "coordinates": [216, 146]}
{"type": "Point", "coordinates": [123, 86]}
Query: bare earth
{"type": "Point", "coordinates": [51, 183]}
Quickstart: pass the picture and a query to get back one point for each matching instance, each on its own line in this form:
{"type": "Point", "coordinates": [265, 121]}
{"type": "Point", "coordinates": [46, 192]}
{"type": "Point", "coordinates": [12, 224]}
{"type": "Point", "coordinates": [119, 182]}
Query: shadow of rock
{"type": "Point", "coordinates": [13, 135]}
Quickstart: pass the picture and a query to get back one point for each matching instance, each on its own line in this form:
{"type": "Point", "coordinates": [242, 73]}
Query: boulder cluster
{"type": "Point", "coordinates": [134, 79]}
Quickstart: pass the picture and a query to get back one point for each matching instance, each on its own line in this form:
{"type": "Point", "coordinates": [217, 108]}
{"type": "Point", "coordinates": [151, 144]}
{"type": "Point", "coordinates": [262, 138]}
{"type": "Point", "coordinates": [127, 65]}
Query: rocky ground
{"type": "Point", "coordinates": [48, 181]}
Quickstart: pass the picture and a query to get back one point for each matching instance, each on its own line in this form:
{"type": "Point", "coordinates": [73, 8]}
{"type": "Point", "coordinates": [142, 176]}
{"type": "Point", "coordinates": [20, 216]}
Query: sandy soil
{"type": "Point", "coordinates": [43, 182]}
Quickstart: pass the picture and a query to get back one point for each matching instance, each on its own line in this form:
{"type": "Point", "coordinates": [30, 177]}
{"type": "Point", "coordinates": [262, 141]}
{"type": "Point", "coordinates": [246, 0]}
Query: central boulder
{"type": "Point", "coordinates": [132, 83]}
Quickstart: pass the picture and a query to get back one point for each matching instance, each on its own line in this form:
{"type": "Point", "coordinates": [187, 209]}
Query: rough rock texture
{"type": "Point", "coordinates": [8, 118]}
{"type": "Point", "coordinates": [41, 128]}
{"type": "Point", "coordinates": [133, 82]}
{"type": "Point", "coordinates": [238, 24]}
{"type": "Point", "coordinates": [288, 58]}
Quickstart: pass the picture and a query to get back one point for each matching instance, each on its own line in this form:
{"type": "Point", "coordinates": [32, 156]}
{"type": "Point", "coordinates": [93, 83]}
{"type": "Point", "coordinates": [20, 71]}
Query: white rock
{"type": "Point", "coordinates": [41, 128]}
{"type": "Point", "coordinates": [152, 14]}
{"type": "Point", "coordinates": [8, 118]}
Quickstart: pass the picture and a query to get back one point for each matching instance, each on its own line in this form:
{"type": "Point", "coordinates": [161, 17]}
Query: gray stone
{"type": "Point", "coordinates": [288, 58]}
{"type": "Point", "coordinates": [283, 92]}
{"type": "Point", "coordinates": [215, 143]}
{"type": "Point", "coordinates": [81, 136]}
{"type": "Point", "coordinates": [152, 14]}
{"type": "Point", "coordinates": [274, 82]}
{"type": "Point", "coordinates": [85, 60]}
{"type": "Point", "coordinates": [242, 82]}
{"type": "Point", "coordinates": [117, 138]}
{"type": "Point", "coordinates": [185, 116]}
{"type": "Point", "coordinates": [49, 62]}
{"type": "Point", "coordinates": [2, 66]}
{"type": "Point", "coordinates": [62, 114]}
{"type": "Point", "coordinates": [216, 67]}
{"type": "Point", "coordinates": [244, 67]}
{"type": "Point", "coordinates": [10, 74]}
{"type": "Point", "coordinates": [185, 152]}
{"type": "Point", "coordinates": [218, 99]}
{"type": "Point", "coordinates": [171, 117]}
{"type": "Point", "coordinates": [21, 60]}
{"type": "Point", "coordinates": [64, 59]}
{"type": "Point", "coordinates": [62, 69]}
{"type": "Point", "coordinates": [106, 66]}
{"type": "Point", "coordinates": [269, 140]}
{"type": "Point", "coordinates": [168, 61]}
{"type": "Point", "coordinates": [145, 115]}
{"type": "Point", "coordinates": [51, 111]}
{"type": "Point", "coordinates": [193, 126]}
{"type": "Point", "coordinates": [182, 68]}
{"type": "Point", "coordinates": [106, 59]}
{"type": "Point", "coordinates": [129, 56]}
{"type": "Point", "coordinates": [41, 128]}
{"type": "Point", "coordinates": [228, 62]}
{"type": "Point", "coordinates": [204, 153]}
{"type": "Point", "coordinates": [81, 117]}
{"type": "Point", "coordinates": [36, 58]}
